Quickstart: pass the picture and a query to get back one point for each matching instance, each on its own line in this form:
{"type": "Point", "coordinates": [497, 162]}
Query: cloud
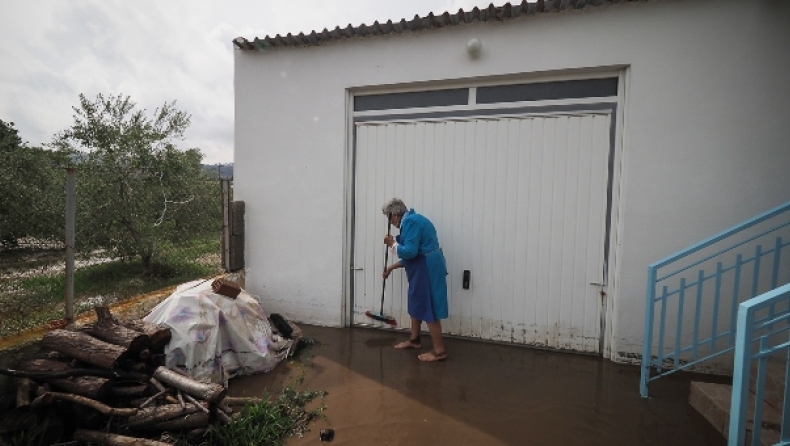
{"type": "Point", "coordinates": [156, 52]}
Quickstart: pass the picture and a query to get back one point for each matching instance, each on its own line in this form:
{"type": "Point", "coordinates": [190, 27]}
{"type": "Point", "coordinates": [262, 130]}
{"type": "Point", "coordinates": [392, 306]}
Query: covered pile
{"type": "Point", "coordinates": [216, 337]}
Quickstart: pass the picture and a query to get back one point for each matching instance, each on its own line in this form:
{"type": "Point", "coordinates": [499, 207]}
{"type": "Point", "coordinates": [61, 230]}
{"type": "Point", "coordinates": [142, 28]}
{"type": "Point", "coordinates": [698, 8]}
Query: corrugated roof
{"type": "Point", "coordinates": [431, 21]}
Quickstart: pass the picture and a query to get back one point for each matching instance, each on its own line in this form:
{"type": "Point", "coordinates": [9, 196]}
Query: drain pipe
{"type": "Point", "coordinates": [71, 204]}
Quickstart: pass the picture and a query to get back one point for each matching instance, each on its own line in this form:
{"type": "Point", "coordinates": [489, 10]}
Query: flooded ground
{"type": "Point", "coordinates": [484, 394]}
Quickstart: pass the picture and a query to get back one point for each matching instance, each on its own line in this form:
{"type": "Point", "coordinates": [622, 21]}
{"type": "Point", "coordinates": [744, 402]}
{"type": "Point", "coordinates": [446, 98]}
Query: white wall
{"type": "Point", "coordinates": [706, 140]}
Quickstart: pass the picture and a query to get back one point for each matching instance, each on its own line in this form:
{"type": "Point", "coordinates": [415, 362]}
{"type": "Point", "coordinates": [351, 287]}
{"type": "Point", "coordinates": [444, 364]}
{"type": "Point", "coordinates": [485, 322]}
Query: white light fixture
{"type": "Point", "coordinates": [473, 48]}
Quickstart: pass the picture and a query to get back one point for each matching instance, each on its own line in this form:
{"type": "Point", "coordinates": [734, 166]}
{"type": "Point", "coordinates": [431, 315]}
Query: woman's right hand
{"type": "Point", "coordinates": [386, 272]}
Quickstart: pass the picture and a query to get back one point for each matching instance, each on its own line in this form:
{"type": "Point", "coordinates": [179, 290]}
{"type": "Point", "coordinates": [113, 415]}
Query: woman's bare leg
{"type": "Point", "coordinates": [438, 353]}
{"type": "Point", "coordinates": [415, 340]}
{"type": "Point", "coordinates": [416, 324]}
{"type": "Point", "coordinates": [436, 336]}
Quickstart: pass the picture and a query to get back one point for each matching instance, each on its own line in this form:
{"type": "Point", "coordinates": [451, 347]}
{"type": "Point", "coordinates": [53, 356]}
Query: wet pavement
{"type": "Point", "coordinates": [484, 394]}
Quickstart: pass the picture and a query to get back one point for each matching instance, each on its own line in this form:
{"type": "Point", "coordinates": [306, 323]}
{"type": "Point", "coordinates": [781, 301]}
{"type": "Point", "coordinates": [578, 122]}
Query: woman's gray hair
{"type": "Point", "coordinates": [396, 206]}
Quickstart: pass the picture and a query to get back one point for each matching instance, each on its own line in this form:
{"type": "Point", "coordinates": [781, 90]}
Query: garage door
{"type": "Point", "coordinates": [518, 202]}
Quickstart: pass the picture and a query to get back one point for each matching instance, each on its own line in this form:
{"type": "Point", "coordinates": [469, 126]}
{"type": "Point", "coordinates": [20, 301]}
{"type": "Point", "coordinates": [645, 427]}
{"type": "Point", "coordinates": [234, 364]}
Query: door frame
{"type": "Point", "coordinates": [618, 135]}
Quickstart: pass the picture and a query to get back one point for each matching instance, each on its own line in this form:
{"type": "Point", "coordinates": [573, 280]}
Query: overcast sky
{"type": "Point", "coordinates": [155, 52]}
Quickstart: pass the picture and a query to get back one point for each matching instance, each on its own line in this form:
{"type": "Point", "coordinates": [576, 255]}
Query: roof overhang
{"type": "Point", "coordinates": [428, 22]}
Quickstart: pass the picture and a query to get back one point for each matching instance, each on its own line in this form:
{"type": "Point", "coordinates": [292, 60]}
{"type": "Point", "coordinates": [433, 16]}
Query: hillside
{"type": "Point", "coordinates": [219, 170]}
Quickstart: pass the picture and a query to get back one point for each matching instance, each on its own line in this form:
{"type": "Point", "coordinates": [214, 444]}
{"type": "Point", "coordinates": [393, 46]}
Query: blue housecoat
{"type": "Point", "coordinates": [426, 270]}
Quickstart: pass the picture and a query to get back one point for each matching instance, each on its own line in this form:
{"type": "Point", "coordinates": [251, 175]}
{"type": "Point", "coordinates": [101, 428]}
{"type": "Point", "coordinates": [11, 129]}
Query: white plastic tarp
{"type": "Point", "coordinates": [216, 337]}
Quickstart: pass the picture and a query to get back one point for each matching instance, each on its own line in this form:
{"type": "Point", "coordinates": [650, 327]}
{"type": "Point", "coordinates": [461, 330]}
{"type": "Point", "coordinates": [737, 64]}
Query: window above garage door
{"type": "Point", "coordinates": [583, 95]}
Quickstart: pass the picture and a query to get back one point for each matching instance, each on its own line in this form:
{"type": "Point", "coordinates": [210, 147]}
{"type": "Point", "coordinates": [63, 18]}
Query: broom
{"type": "Point", "coordinates": [380, 315]}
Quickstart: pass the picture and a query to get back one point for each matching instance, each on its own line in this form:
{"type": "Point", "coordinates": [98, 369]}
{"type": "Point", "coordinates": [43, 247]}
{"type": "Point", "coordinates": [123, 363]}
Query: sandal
{"type": "Point", "coordinates": [411, 343]}
{"type": "Point", "coordinates": [432, 356]}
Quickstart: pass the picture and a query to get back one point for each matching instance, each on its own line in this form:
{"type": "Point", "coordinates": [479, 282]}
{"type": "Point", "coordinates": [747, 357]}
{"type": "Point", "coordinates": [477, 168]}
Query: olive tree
{"type": "Point", "coordinates": [31, 191]}
{"type": "Point", "coordinates": [136, 191]}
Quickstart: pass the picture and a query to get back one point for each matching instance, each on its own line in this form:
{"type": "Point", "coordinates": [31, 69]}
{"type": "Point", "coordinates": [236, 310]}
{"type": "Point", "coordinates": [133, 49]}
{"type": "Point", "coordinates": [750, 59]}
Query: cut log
{"type": "Point", "coordinates": [44, 376]}
{"type": "Point", "coordinates": [222, 416]}
{"type": "Point", "coordinates": [169, 398]}
{"type": "Point", "coordinates": [192, 400]}
{"type": "Point", "coordinates": [89, 386]}
{"type": "Point", "coordinates": [156, 384]}
{"type": "Point", "coordinates": [158, 335]}
{"type": "Point", "coordinates": [24, 392]}
{"type": "Point", "coordinates": [113, 439]}
{"type": "Point", "coordinates": [151, 399]}
{"type": "Point", "coordinates": [84, 347]}
{"type": "Point", "coordinates": [191, 421]}
{"type": "Point", "coordinates": [129, 389]}
{"type": "Point", "coordinates": [109, 330]}
{"type": "Point", "coordinates": [93, 404]}
{"type": "Point", "coordinates": [212, 393]}
{"type": "Point", "coordinates": [240, 400]}
{"type": "Point", "coordinates": [158, 414]}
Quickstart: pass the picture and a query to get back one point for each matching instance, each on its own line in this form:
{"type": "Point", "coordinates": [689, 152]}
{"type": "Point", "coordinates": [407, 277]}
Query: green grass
{"type": "Point", "coordinates": [270, 422]}
{"type": "Point", "coordinates": [30, 301]}
{"type": "Point", "coordinates": [275, 419]}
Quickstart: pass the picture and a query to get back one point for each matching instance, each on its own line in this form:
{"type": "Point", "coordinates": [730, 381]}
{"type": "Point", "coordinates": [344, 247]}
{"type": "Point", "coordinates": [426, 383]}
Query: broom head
{"type": "Point", "coordinates": [381, 317]}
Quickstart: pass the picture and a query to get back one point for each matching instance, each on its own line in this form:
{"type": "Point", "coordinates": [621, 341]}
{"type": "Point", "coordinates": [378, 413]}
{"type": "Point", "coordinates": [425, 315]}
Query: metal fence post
{"type": "Point", "coordinates": [71, 204]}
{"type": "Point", "coordinates": [225, 183]}
{"type": "Point", "coordinates": [647, 346]}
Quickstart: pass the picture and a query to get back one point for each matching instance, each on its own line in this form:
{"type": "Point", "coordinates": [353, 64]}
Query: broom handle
{"type": "Point", "coordinates": [386, 259]}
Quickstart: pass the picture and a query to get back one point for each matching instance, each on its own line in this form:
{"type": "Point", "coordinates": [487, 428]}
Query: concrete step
{"type": "Point", "coordinates": [774, 383]}
{"type": "Point", "coordinates": [712, 401]}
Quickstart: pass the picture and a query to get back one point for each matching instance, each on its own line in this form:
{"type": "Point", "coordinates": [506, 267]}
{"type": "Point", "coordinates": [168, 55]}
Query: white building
{"type": "Point", "coordinates": [581, 143]}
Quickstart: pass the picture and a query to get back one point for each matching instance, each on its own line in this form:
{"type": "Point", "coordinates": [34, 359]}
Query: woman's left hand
{"type": "Point", "coordinates": [389, 240]}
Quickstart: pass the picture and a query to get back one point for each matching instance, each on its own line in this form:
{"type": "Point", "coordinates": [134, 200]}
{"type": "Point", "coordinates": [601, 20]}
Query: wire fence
{"type": "Point", "coordinates": [133, 236]}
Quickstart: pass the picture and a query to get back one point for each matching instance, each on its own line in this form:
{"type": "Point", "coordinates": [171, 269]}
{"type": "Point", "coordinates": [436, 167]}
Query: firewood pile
{"type": "Point", "coordinates": [106, 384]}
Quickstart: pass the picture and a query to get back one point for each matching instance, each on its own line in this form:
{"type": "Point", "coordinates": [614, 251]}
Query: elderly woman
{"type": "Point", "coordinates": [417, 246]}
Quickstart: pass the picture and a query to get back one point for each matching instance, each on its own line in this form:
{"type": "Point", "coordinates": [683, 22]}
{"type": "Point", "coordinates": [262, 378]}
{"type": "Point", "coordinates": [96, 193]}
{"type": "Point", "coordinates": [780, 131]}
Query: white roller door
{"type": "Point", "coordinates": [520, 202]}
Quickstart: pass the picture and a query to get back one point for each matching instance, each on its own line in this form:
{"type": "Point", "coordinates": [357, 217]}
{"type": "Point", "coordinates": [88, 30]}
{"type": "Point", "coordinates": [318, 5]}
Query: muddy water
{"type": "Point", "coordinates": [484, 394]}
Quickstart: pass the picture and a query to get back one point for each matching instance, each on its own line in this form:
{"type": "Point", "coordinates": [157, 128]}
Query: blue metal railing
{"type": "Point", "coordinates": [692, 318]}
{"type": "Point", "coordinates": [759, 325]}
